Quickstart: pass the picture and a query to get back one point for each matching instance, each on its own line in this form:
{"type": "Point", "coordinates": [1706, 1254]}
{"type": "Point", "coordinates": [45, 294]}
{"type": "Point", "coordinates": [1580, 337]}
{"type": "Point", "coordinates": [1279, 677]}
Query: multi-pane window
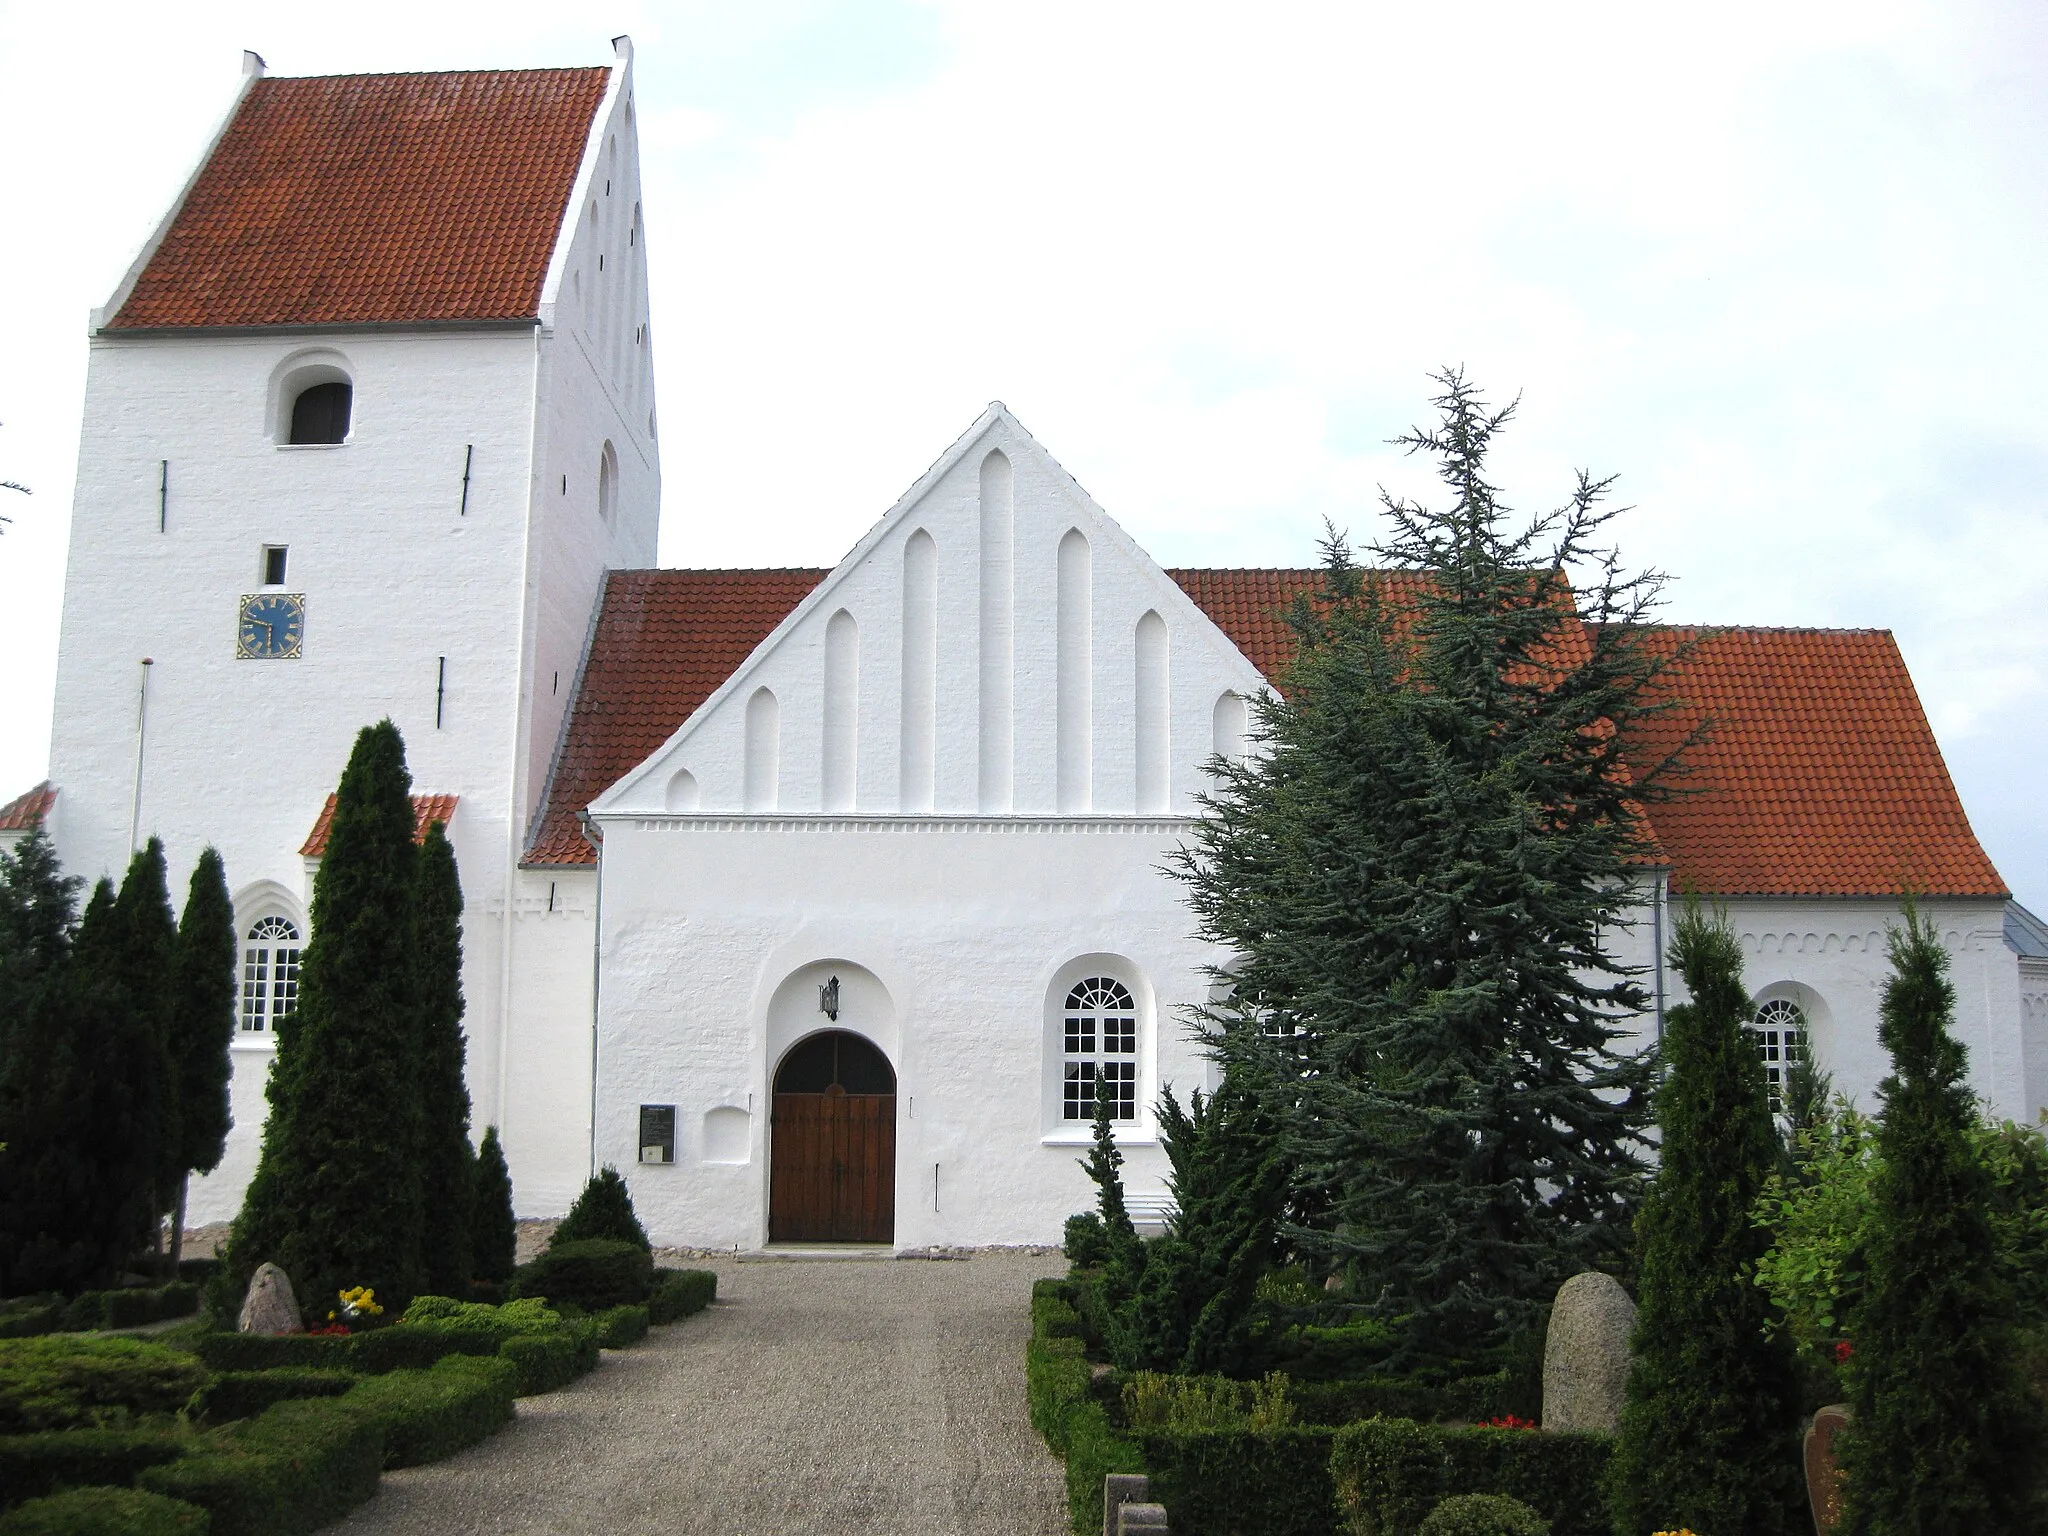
{"type": "Point", "coordinates": [1780, 1035]}
{"type": "Point", "coordinates": [270, 973]}
{"type": "Point", "coordinates": [1100, 1043]}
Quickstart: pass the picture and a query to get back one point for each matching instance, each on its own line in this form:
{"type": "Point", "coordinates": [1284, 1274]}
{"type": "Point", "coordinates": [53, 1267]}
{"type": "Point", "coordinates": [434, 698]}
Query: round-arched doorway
{"type": "Point", "coordinates": [832, 1143]}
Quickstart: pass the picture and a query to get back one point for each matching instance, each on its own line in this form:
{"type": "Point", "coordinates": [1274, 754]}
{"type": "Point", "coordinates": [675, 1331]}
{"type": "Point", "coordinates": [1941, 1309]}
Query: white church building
{"type": "Point", "coordinates": [815, 900]}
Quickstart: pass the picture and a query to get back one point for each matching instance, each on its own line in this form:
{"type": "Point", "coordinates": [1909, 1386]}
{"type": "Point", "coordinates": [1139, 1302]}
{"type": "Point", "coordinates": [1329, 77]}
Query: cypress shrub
{"type": "Point", "coordinates": [494, 1234]}
{"type": "Point", "coordinates": [336, 1199]}
{"type": "Point", "coordinates": [107, 1512]}
{"type": "Point", "coordinates": [38, 911]}
{"type": "Point", "coordinates": [447, 1162]}
{"type": "Point", "coordinates": [80, 1118]}
{"type": "Point", "coordinates": [1946, 1435]}
{"type": "Point", "coordinates": [604, 1210]}
{"type": "Point", "coordinates": [592, 1274]}
{"type": "Point", "coordinates": [1708, 1435]}
{"type": "Point", "coordinates": [201, 1028]}
{"type": "Point", "coordinates": [145, 956]}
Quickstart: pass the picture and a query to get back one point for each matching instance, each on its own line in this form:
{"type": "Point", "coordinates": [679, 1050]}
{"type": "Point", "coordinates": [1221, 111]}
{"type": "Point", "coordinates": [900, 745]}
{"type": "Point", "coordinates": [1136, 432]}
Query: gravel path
{"type": "Point", "coordinates": [845, 1396]}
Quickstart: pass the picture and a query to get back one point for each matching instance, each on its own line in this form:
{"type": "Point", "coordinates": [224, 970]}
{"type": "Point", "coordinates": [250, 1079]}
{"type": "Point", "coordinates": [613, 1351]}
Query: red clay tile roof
{"type": "Point", "coordinates": [664, 642]}
{"type": "Point", "coordinates": [426, 810]}
{"type": "Point", "coordinates": [24, 813]}
{"type": "Point", "coordinates": [1820, 777]}
{"type": "Point", "coordinates": [375, 200]}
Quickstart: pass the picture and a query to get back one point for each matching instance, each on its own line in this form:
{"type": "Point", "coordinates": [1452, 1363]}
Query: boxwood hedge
{"type": "Point", "coordinates": [244, 1394]}
{"type": "Point", "coordinates": [34, 1465]}
{"type": "Point", "coordinates": [427, 1415]}
{"type": "Point", "coordinates": [593, 1274]}
{"type": "Point", "coordinates": [290, 1470]}
{"type": "Point", "coordinates": [107, 1512]}
{"type": "Point", "coordinates": [76, 1383]}
{"type": "Point", "coordinates": [679, 1292]}
{"type": "Point", "coordinates": [1390, 1473]}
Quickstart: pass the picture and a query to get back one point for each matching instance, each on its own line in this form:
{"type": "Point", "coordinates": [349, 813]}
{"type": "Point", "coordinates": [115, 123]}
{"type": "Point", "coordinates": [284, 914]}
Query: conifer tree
{"type": "Point", "coordinates": [493, 1231]}
{"type": "Point", "coordinates": [145, 953]}
{"type": "Point", "coordinates": [1946, 1437]}
{"type": "Point", "coordinates": [603, 1210]}
{"type": "Point", "coordinates": [202, 1028]}
{"type": "Point", "coordinates": [1229, 1185]}
{"type": "Point", "coordinates": [1708, 1433]}
{"type": "Point", "coordinates": [79, 1116]}
{"type": "Point", "coordinates": [447, 1163]}
{"type": "Point", "coordinates": [1104, 1164]}
{"type": "Point", "coordinates": [38, 910]}
{"type": "Point", "coordinates": [1419, 875]}
{"type": "Point", "coordinates": [336, 1200]}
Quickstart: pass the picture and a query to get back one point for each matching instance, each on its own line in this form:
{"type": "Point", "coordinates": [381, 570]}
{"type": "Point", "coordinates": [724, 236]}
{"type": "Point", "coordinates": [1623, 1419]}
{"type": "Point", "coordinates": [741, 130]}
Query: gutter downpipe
{"type": "Point", "coordinates": [1659, 888]}
{"type": "Point", "coordinates": [595, 838]}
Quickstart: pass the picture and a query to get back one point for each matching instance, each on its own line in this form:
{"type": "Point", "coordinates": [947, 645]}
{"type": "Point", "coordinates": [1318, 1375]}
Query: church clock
{"type": "Point", "coordinates": [272, 626]}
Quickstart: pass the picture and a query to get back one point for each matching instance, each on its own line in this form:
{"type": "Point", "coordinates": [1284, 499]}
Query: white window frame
{"type": "Point", "coordinates": [266, 981]}
{"type": "Point", "coordinates": [1122, 996]}
{"type": "Point", "coordinates": [1782, 1032]}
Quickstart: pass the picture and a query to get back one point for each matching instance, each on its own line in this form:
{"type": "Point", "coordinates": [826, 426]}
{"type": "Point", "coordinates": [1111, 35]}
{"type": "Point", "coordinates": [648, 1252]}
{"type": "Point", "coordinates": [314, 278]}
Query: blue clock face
{"type": "Point", "coordinates": [273, 625]}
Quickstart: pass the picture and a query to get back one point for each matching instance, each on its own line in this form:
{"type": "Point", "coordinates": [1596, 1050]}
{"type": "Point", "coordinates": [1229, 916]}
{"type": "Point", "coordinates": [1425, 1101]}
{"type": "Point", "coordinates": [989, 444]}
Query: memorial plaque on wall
{"type": "Point", "coordinates": [657, 1133]}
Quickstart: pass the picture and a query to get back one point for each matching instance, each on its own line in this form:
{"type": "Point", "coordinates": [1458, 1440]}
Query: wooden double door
{"type": "Point", "coordinates": [832, 1144]}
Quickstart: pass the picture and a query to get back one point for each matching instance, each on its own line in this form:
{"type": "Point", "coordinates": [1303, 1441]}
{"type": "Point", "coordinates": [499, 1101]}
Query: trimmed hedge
{"type": "Point", "coordinates": [34, 1465]}
{"type": "Point", "coordinates": [546, 1362]}
{"type": "Point", "coordinates": [132, 1307]}
{"type": "Point", "coordinates": [619, 1327]}
{"type": "Point", "coordinates": [292, 1469]}
{"type": "Point", "coordinates": [679, 1292]}
{"type": "Point", "coordinates": [429, 1415]}
{"type": "Point", "coordinates": [1222, 1482]}
{"type": "Point", "coordinates": [244, 1394]}
{"type": "Point", "coordinates": [73, 1383]}
{"type": "Point", "coordinates": [1471, 1400]}
{"type": "Point", "coordinates": [107, 1512]}
{"type": "Point", "coordinates": [1484, 1514]}
{"type": "Point", "coordinates": [1390, 1473]}
{"type": "Point", "coordinates": [402, 1346]}
{"type": "Point", "coordinates": [1057, 1382]}
{"type": "Point", "coordinates": [594, 1274]}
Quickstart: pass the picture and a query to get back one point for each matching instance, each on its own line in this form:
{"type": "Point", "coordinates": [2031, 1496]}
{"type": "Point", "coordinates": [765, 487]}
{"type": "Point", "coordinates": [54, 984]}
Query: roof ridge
{"type": "Point", "coordinates": [420, 74]}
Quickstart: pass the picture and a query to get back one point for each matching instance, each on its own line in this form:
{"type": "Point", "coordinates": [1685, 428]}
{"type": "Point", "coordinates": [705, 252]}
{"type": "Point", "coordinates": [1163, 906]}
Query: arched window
{"type": "Point", "coordinates": [270, 973]}
{"type": "Point", "coordinates": [1779, 1031]}
{"type": "Point", "coordinates": [1099, 1027]}
{"type": "Point", "coordinates": [320, 412]}
{"type": "Point", "coordinates": [608, 484]}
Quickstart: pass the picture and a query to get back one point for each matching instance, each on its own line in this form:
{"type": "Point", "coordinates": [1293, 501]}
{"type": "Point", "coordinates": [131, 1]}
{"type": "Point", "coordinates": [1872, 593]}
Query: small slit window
{"type": "Point", "coordinates": [270, 973]}
{"type": "Point", "coordinates": [320, 414]}
{"type": "Point", "coordinates": [1099, 1027]}
{"type": "Point", "coordinates": [1779, 1033]}
{"type": "Point", "coordinates": [273, 565]}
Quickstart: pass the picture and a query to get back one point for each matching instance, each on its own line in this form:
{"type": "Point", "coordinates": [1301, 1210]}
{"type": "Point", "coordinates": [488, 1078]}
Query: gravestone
{"type": "Point", "coordinates": [1121, 1491]}
{"type": "Point", "coordinates": [270, 1306]}
{"type": "Point", "coordinates": [1824, 1468]}
{"type": "Point", "coordinates": [1585, 1356]}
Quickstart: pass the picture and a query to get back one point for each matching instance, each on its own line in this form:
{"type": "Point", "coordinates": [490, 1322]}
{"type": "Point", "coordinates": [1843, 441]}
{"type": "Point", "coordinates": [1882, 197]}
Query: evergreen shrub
{"type": "Point", "coordinates": [290, 1470]}
{"type": "Point", "coordinates": [678, 1293]}
{"type": "Point", "coordinates": [529, 1316]}
{"type": "Point", "coordinates": [1483, 1514]}
{"type": "Point", "coordinates": [1222, 1481]}
{"type": "Point", "coordinates": [223, 1351]}
{"type": "Point", "coordinates": [493, 1231]}
{"type": "Point", "coordinates": [244, 1394]}
{"type": "Point", "coordinates": [26, 1316]}
{"type": "Point", "coordinates": [592, 1274]}
{"type": "Point", "coordinates": [603, 1210]}
{"type": "Point", "coordinates": [416, 1346]}
{"type": "Point", "coordinates": [71, 1383]}
{"type": "Point", "coordinates": [1057, 1387]}
{"type": "Point", "coordinates": [107, 1512]}
{"type": "Point", "coordinates": [621, 1327]}
{"type": "Point", "coordinates": [429, 1415]}
{"type": "Point", "coordinates": [1390, 1473]}
{"type": "Point", "coordinates": [130, 1307]}
{"type": "Point", "coordinates": [547, 1362]}
{"type": "Point", "coordinates": [34, 1465]}
{"type": "Point", "coordinates": [1086, 1241]}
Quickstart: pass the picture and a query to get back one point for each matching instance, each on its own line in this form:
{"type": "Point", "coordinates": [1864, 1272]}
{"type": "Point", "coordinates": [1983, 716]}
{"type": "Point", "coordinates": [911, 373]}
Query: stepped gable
{"type": "Point", "coordinates": [374, 200]}
{"type": "Point", "coordinates": [1819, 777]}
{"type": "Point", "coordinates": [24, 813]}
{"type": "Point", "coordinates": [426, 810]}
{"type": "Point", "coordinates": [663, 643]}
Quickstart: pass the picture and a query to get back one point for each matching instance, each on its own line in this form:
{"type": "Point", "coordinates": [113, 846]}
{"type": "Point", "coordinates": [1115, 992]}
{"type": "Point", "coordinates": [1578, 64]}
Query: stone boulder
{"type": "Point", "coordinates": [1585, 1356]}
{"type": "Point", "coordinates": [270, 1306]}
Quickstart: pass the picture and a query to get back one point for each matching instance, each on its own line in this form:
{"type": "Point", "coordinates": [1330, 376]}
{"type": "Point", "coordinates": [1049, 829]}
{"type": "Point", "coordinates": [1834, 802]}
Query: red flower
{"type": "Point", "coordinates": [330, 1331]}
{"type": "Point", "coordinates": [1509, 1421]}
{"type": "Point", "coordinates": [1843, 1352]}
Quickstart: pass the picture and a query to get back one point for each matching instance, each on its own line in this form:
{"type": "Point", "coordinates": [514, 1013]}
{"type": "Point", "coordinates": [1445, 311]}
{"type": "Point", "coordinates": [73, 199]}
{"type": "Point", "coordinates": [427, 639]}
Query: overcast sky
{"type": "Point", "coordinates": [1780, 267]}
